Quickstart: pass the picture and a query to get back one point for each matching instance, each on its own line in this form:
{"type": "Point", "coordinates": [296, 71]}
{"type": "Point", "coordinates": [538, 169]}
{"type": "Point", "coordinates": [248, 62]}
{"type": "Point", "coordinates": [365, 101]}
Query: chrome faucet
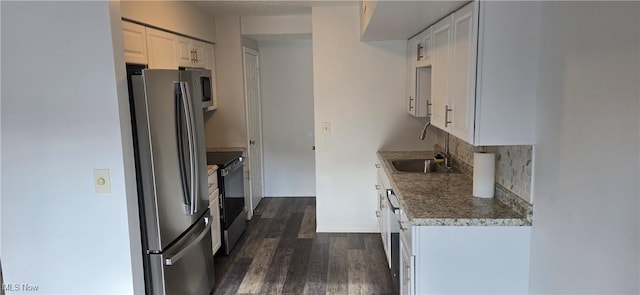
{"type": "Point", "coordinates": [424, 130]}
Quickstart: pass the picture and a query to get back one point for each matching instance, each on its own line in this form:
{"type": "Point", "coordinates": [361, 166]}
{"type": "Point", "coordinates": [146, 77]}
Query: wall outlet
{"type": "Point", "coordinates": [326, 128]}
{"type": "Point", "coordinates": [102, 181]}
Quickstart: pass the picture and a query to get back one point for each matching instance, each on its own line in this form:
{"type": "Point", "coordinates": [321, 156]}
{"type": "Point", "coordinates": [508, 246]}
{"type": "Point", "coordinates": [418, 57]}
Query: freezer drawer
{"type": "Point", "coordinates": [186, 268]}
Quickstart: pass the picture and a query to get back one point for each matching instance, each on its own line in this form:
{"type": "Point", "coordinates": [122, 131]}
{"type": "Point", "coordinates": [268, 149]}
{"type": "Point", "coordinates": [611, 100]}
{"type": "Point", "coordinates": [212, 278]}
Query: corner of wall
{"type": "Point", "coordinates": [137, 268]}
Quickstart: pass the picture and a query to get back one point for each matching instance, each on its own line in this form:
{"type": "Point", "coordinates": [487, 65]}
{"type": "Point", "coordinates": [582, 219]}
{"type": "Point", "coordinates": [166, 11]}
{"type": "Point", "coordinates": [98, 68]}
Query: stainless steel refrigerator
{"type": "Point", "coordinates": [175, 220]}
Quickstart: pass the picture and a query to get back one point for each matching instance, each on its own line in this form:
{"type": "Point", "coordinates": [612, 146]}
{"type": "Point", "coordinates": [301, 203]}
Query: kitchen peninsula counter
{"type": "Point", "coordinates": [444, 199]}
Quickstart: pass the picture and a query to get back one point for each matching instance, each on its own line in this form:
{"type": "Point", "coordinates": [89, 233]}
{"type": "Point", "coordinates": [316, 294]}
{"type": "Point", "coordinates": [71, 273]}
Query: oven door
{"type": "Point", "coordinates": [232, 193]}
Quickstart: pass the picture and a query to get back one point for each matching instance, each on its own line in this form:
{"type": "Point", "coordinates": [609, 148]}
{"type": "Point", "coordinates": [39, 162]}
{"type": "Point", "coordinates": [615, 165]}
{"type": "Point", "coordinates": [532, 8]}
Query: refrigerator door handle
{"type": "Point", "coordinates": [175, 257]}
{"type": "Point", "coordinates": [180, 108]}
{"type": "Point", "coordinates": [186, 102]}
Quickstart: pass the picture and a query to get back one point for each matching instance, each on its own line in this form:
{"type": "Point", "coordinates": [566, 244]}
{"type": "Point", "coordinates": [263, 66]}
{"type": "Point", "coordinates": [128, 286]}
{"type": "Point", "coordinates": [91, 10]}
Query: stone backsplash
{"type": "Point", "coordinates": [513, 163]}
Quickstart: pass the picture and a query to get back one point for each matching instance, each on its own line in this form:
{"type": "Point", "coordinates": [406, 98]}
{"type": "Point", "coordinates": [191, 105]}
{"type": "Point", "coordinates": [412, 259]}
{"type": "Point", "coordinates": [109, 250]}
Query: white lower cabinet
{"type": "Point", "coordinates": [464, 259]}
{"type": "Point", "coordinates": [383, 212]}
{"type": "Point", "coordinates": [214, 206]}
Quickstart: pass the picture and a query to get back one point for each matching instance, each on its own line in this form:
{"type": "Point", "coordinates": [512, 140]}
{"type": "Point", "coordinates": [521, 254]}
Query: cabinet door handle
{"type": "Point", "coordinates": [402, 228]}
{"type": "Point", "coordinates": [377, 187]}
{"type": "Point", "coordinates": [196, 53]}
{"type": "Point", "coordinates": [429, 109]}
{"type": "Point", "coordinates": [419, 52]}
{"type": "Point", "coordinates": [377, 165]}
{"type": "Point", "coordinates": [446, 115]}
{"type": "Point", "coordinates": [377, 213]}
{"type": "Point", "coordinates": [413, 273]}
{"type": "Point", "coordinates": [407, 271]}
{"type": "Point", "coordinates": [410, 105]}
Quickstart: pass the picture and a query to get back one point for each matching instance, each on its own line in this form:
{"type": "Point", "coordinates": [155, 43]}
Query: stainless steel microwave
{"type": "Point", "coordinates": [203, 87]}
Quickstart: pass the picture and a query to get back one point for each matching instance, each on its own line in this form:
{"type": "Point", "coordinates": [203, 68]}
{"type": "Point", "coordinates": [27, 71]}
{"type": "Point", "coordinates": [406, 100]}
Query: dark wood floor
{"type": "Point", "coordinates": [280, 253]}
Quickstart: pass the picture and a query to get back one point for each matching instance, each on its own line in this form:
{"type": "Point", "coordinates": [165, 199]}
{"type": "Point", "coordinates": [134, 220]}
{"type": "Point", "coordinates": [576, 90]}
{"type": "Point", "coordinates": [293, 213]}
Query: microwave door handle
{"type": "Point", "coordinates": [179, 115]}
{"type": "Point", "coordinates": [186, 98]}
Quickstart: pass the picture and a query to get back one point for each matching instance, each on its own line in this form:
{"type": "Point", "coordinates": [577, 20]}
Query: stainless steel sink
{"type": "Point", "coordinates": [419, 166]}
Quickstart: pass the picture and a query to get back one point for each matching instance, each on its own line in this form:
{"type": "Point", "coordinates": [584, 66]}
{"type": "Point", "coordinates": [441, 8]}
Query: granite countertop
{"type": "Point", "coordinates": [444, 199]}
{"type": "Point", "coordinates": [211, 169]}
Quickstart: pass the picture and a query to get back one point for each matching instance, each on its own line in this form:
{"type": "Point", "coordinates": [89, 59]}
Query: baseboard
{"type": "Point", "coordinates": [291, 196]}
{"type": "Point", "coordinates": [347, 228]}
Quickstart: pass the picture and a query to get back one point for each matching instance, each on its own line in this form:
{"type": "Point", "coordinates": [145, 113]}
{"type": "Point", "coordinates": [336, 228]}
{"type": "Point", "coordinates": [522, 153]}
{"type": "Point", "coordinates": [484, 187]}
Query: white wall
{"type": "Point", "coordinates": [227, 126]}
{"type": "Point", "coordinates": [585, 237]}
{"type": "Point", "coordinates": [360, 89]}
{"type": "Point", "coordinates": [65, 113]}
{"type": "Point", "coordinates": [177, 16]}
{"type": "Point", "coordinates": [286, 68]}
{"type": "Point", "coordinates": [276, 25]}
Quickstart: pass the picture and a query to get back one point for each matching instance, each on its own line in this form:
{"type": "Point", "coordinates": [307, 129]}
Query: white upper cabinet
{"type": "Point", "coordinates": [507, 72]}
{"type": "Point", "coordinates": [135, 44]}
{"type": "Point", "coordinates": [484, 72]}
{"type": "Point", "coordinates": [171, 51]}
{"type": "Point", "coordinates": [193, 53]}
{"type": "Point", "coordinates": [162, 48]}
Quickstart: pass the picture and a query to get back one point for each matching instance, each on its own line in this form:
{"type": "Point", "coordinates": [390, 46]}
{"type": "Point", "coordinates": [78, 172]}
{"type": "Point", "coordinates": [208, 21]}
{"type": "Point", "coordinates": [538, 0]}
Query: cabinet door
{"type": "Point", "coordinates": [161, 49]}
{"type": "Point", "coordinates": [407, 271]}
{"type": "Point", "coordinates": [440, 63]}
{"type": "Point", "coordinates": [211, 65]}
{"type": "Point", "coordinates": [200, 54]}
{"type": "Point", "coordinates": [426, 41]}
{"type": "Point", "coordinates": [214, 207]}
{"type": "Point", "coordinates": [380, 207]}
{"type": "Point", "coordinates": [184, 53]}
{"type": "Point", "coordinates": [423, 48]}
{"type": "Point", "coordinates": [462, 99]}
{"type": "Point", "coordinates": [135, 43]}
{"type": "Point", "coordinates": [411, 76]}
{"type": "Point", "coordinates": [386, 235]}
{"type": "Point", "coordinates": [209, 57]}
{"type": "Point", "coordinates": [408, 268]}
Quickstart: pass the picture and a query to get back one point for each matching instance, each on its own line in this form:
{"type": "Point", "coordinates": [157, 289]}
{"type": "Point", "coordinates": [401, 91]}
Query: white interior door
{"type": "Point", "coordinates": [254, 127]}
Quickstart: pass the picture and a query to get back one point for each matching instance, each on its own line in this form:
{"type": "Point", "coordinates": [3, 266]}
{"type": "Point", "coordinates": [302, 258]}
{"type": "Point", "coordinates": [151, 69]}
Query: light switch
{"type": "Point", "coordinates": [326, 128]}
{"type": "Point", "coordinates": [102, 181]}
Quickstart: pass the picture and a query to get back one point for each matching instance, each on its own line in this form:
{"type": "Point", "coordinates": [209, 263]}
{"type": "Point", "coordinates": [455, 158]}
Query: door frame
{"type": "Point", "coordinates": [246, 50]}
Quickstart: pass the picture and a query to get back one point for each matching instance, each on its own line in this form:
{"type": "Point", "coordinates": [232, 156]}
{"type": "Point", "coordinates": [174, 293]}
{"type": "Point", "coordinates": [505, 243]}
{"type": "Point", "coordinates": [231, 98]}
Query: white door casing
{"type": "Point", "coordinates": [254, 127]}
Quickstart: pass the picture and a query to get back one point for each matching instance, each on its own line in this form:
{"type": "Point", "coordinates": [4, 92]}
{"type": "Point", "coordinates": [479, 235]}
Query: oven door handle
{"type": "Point", "coordinates": [391, 195]}
{"type": "Point", "coordinates": [233, 167]}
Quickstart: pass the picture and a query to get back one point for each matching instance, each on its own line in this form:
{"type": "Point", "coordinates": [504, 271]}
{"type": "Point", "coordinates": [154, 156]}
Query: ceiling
{"type": "Point", "coordinates": [394, 19]}
{"type": "Point", "coordinates": [265, 7]}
